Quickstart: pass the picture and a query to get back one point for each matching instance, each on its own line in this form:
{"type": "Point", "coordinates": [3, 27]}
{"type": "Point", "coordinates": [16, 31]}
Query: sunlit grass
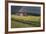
{"type": "Point", "coordinates": [26, 18]}
{"type": "Point", "coordinates": [34, 19]}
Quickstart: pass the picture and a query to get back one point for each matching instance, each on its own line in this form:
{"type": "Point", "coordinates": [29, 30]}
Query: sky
{"type": "Point", "coordinates": [28, 9]}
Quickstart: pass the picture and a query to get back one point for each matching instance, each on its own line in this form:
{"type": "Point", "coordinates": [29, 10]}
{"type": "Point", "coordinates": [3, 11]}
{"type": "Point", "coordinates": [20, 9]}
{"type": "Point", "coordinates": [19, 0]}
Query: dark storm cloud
{"type": "Point", "coordinates": [28, 9]}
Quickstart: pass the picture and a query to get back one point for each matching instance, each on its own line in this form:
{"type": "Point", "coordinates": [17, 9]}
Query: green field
{"type": "Point", "coordinates": [25, 21]}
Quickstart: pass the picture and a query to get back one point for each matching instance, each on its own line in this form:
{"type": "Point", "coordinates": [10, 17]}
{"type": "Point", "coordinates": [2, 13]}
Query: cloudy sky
{"type": "Point", "coordinates": [31, 9]}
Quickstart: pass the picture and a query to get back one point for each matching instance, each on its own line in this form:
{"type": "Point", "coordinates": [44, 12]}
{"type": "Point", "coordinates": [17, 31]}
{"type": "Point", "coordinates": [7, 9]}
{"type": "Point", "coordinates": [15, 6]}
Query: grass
{"type": "Point", "coordinates": [25, 21]}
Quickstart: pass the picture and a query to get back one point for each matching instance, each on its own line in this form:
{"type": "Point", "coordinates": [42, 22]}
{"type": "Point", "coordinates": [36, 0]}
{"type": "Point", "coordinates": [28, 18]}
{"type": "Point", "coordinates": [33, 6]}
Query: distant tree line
{"type": "Point", "coordinates": [34, 14]}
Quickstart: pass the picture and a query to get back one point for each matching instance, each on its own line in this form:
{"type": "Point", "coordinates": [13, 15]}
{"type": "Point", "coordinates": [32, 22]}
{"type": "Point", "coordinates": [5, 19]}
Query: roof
{"type": "Point", "coordinates": [22, 9]}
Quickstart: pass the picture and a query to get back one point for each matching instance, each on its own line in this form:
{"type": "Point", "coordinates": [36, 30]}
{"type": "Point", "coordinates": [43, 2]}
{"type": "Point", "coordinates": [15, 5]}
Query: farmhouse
{"type": "Point", "coordinates": [21, 12]}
